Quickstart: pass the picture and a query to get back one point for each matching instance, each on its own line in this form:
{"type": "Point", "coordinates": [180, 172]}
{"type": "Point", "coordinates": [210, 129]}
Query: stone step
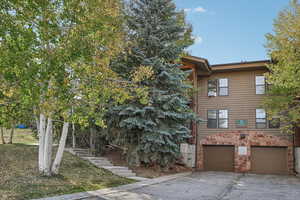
{"type": "Point", "coordinates": [121, 171]}
{"type": "Point", "coordinates": [93, 158]}
{"type": "Point", "coordinates": [125, 174]}
{"type": "Point", "coordinates": [82, 156]}
{"type": "Point", "coordinates": [82, 150]}
{"type": "Point", "coordinates": [81, 153]}
{"type": "Point", "coordinates": [115, 167]}
{"type": "Point", "coordinates": [99, 161]}
{"type": "Point", "coordinates": [138, 178]}
{"type": "Point", "coordinates": [102, 164]}
{"type": "Point", "coordinates": [101, 158]}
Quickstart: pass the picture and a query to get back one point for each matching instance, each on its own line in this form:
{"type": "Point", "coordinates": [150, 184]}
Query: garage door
{"type": "Point", "coordinates": [269, 160]}
{"type": "Point", "coordinates": [218, 158]}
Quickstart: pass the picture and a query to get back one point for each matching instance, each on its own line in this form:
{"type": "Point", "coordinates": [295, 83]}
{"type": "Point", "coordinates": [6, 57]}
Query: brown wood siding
{"type": "Point", "coordinates": [241, 102]}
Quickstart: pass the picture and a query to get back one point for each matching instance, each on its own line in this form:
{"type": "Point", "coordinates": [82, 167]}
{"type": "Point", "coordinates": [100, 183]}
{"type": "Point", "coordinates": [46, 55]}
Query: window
{"type": "Point", "coordinates": [260, 84]}
{"type": "Point", "coordinates": [212, 120]}
{"type": "Point", "coordinates": [217, 119]}
{"type": "Point", "coordinates": [218, 86]}
{"type": "Point", "coordinates": [223, 118]}
{"type": "Point", "coordinates": [212, 88]}
{"type": "Point", "coordinates": [223, 87]}
{"type": "Point", "coordinates": [274, 122]}
{"type": "Point", "coordinates": [261, 118]}
{"type": "Point", "coordinates": [262, 122]}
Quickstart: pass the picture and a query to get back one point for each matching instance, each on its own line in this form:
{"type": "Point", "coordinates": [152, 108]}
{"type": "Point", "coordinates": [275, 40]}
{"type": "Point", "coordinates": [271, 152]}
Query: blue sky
{"type": "Point", "coordinates": [230, 30]}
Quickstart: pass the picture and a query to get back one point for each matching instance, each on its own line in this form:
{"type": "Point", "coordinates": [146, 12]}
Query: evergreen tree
{"type": "Point", "coordinates": [152, 131]}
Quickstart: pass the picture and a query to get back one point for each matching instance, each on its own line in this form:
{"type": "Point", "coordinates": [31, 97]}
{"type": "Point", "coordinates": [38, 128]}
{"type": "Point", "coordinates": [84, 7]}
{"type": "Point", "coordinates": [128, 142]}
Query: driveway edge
{"type": "Point", "coordinates": [102, 192]}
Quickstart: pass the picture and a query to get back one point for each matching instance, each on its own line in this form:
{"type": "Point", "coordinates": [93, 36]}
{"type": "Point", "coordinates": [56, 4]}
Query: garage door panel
{"type": "Point", "coordinates": [218, 158]}
{"type": "Point", "coordinates": [269, 160]}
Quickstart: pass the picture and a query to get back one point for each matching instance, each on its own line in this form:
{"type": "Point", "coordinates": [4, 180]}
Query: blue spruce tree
{"type": "Point", "coordinates": [152, 133]}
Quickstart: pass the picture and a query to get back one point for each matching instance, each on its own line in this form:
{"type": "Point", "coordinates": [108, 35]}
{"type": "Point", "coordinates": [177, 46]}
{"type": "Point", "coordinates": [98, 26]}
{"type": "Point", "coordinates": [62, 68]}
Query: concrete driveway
{"type": "Point", "coordinates": [216, 186]}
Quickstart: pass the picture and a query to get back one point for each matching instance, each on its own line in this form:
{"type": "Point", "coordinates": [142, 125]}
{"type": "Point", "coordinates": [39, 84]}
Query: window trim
{"type": "Point", "coordinates": [257, 85]}
{"type": "Point", "coordinates": [217, 119]}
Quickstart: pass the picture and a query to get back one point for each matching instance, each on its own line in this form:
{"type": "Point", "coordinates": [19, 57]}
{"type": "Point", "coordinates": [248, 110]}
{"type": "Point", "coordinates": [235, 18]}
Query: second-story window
{"type": "Point", "coordinates": [260, 84]}
{"type": "Point", "coordinates": [223, 87]}
{"type": "Point", "coordinates": [261, 118]}
{"type": "Point", "coordinates": [217, 119]}
{"type": "Point", "coordinates": [217, 87]}
{"type": "Point", "coordinates": [212, 88]}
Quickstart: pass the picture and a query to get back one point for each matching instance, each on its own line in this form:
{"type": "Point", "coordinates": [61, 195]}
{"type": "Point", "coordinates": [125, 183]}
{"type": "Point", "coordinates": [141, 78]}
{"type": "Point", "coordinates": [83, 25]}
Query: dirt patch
{"type": "Point", "coordinates": [119, 159]}
{"type": "Point", "coordinates": [152, 172]}
{"type": "Point", "coordinates": [116, 157]}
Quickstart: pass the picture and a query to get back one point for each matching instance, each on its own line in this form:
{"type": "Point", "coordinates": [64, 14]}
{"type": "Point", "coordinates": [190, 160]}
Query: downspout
{"type": "Point", "coordinates": [196, 111]}
{"type": "Point", "coordinates": [294, 150]}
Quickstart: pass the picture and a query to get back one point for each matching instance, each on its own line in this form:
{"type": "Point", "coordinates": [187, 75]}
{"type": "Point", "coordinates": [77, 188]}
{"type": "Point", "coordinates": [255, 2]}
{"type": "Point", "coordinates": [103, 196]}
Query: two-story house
{"type": "Point", "coordinates": [238, 135]}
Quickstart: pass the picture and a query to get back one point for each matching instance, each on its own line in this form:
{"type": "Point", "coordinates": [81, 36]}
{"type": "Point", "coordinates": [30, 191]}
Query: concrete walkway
{"type": "Point", "coordinates": [102, 162]}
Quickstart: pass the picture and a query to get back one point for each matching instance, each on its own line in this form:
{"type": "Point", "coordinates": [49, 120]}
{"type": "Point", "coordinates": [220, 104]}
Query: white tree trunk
{"type": "Point", "coordinates": [61, 148]}
{"type": "Point", "coordinates": [73, 136]}
{"type": "Point", "coordinates": [41, 142]}
{"type": "Point", "coordinates": [12, 131]}
{"type": "Point", "coordinates": [2, 135]}
{"type": "Point", "coordinates": [37, 121]}
{"type": "Point", "coordinates": [48, 148]}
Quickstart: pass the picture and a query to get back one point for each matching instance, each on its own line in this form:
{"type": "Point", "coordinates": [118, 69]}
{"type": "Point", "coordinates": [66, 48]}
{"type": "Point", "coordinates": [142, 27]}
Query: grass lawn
{"type": "Point", "coordinates": [19, 177]}
{"type": "Point", "coordinates": [22, 136]}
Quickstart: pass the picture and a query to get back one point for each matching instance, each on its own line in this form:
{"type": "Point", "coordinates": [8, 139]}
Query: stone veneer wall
{"type": "Point", "coordinates": [253, 138]}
